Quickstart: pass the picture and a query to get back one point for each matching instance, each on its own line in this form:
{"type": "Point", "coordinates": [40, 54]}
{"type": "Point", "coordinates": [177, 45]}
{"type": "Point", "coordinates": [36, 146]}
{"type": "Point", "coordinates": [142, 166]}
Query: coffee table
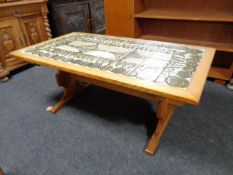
{"type": "Point", "coordinates": [171, 74]}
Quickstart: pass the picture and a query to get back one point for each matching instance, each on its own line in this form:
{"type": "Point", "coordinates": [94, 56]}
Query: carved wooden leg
{"type": "Point", "coordinates": [46, 21]}
{"type": "Point", "coordinates": [164, 113]}
{"type": "Point", "coordinates": [4, 75]}
{"type": "Point", "coordinates": [5, 79]}
{"type": "Point", "coordinates": [72, 87]}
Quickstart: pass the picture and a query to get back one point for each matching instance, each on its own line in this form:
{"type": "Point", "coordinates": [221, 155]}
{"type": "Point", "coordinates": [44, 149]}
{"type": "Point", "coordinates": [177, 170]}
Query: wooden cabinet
{"type": "Point", "coordinates": [33, 29]}
{"type": "Point", "coordinates": [77, 16]}
{"type": "Point", "coordinates": [202, 22]}
{"type": "Point", "coordinates": [22, 23]}
{"type": "Point", "coordinates": [97, 16]}
{"type": "Point", "coordinates": [11, 39]}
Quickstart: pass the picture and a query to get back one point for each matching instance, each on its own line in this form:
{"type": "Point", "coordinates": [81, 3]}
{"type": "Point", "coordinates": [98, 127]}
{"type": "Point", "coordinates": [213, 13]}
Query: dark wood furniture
{"type": "Point", "coordinates": [202, 22]}
{"type": "Point", "coordinates": [85, 59]}
{"type": "Point", "coordinates": [76, 16]}
{"type": "Point", "coordinates": [22, 23]}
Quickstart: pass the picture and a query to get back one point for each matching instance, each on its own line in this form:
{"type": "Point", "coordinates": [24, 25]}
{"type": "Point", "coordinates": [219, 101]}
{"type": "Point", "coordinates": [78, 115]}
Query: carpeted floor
{"type": "Point", "coordinates": [104, 132]}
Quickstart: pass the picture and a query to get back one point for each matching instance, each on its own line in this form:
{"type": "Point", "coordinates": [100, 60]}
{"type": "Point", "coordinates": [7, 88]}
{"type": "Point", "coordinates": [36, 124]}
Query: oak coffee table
{"type": "Point", "coordinates": [171, 74]}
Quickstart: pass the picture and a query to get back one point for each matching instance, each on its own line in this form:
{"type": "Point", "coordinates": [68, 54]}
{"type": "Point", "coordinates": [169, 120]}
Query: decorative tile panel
{"type": "Point", "coordinates": [158, 62]}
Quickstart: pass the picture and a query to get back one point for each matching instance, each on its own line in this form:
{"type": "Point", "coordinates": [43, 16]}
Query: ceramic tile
{"type": "Point", "coordinates": [158, 62]}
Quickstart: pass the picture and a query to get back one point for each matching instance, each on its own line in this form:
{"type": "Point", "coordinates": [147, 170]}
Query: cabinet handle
{"type": "Point", "coordinates": [16, 14]}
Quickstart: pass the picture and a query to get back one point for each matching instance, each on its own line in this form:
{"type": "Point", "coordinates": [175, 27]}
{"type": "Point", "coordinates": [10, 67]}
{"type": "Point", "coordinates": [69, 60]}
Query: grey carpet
{"type": "Point", "coordinates": [104, 132]}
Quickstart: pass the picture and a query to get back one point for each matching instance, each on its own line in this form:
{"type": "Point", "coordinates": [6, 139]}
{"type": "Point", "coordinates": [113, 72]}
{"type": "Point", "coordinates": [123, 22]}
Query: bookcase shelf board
{"type": "Point", "coordinates": [185, 15]}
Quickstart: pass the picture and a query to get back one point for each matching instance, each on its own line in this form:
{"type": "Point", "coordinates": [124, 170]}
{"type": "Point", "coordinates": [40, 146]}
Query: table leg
{"type": "Point", "coordinates": [72, 87]}
{"type": "Point", "coordinates": [164, 113]}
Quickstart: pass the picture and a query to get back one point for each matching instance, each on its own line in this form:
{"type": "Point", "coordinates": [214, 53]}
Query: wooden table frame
{"type": "Point", "coordinates": [73, 86]}
{"type": "Point", "coordinates": [75, 79]}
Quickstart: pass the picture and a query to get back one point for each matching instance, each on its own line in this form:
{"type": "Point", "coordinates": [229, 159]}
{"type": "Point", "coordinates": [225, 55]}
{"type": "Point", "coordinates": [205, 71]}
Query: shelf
{"type": "Point", "coordinates": [186, 15]}
{"type": "Point", "coordinates": [219, 46]}
{"type": "Point", "coordinates": [220, 73]}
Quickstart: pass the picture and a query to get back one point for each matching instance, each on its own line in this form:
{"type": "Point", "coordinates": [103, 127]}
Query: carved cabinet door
{"type": "Point", "coordinates": [11, 38]}
{"type": "Point", "coordinates": [33, 29]}
{"type": "Point", "coordinates": [73, 17]}
{"type": "Point", "coordinates": [97, 16]}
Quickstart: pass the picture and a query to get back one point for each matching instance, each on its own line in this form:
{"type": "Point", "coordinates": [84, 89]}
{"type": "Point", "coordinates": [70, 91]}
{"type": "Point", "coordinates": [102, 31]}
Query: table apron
{"type": "Point", "coordinates": [125, 90]}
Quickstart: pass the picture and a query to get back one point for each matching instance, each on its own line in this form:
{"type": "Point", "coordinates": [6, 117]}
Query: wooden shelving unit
{"type": "Point", "coordinates": [220, 73]}
{"type": "Point", "coordinates": [201, 22]}
{"type": "Point", "coordinates": [185, 15]}
{"type": "Point", "coordinates": [219, 46]}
